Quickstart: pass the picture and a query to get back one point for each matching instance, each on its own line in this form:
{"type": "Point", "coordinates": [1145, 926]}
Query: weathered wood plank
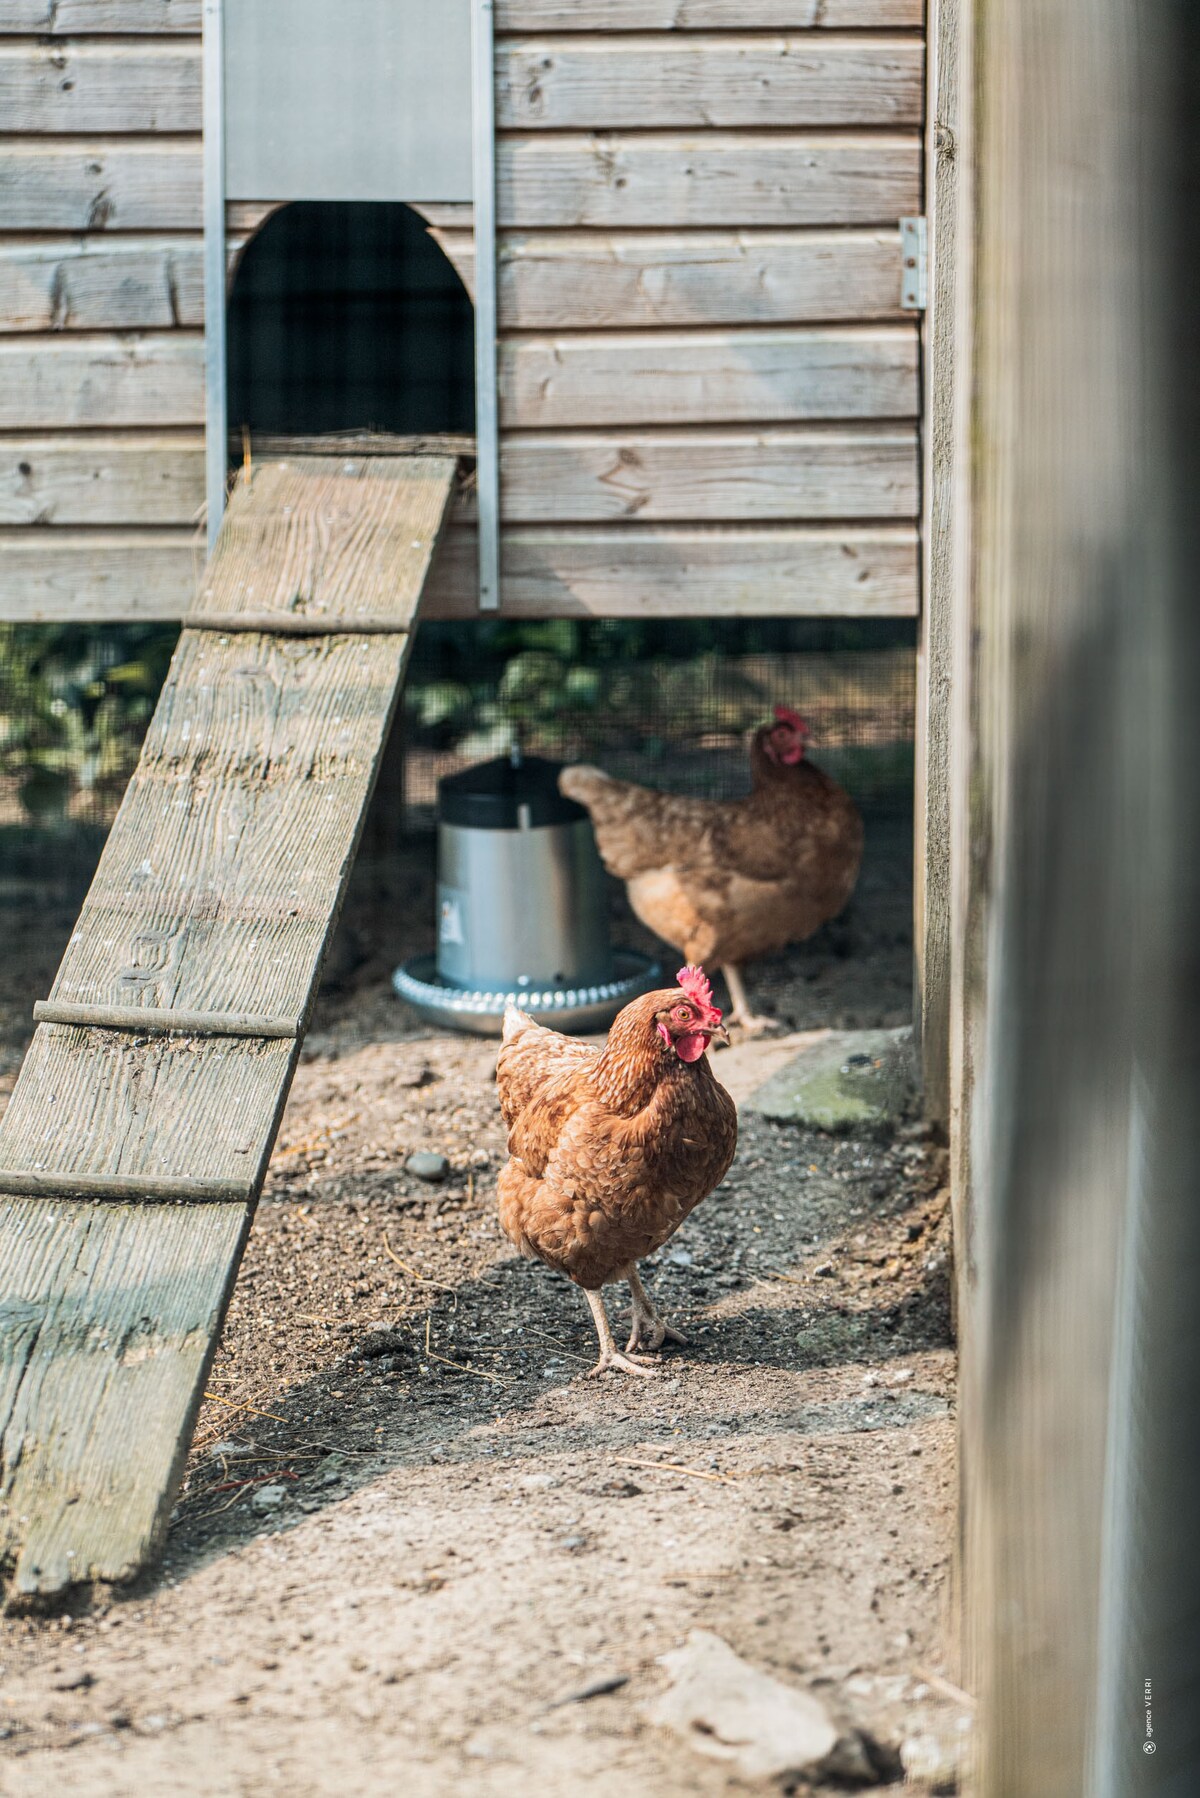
{"type": "Point", "coordinates": [701, 15]}
{"type": "Point", "coordinates": [223, 875]}
{"type": "Point", "coordinates": [607, 181]}
{"type": "Point", "coordinates": [215, 889]}
{"type": "Point", "coordinates": [104, 1102]}
{"type": "Point", "coordinates": [548, 477]}
{"type": "Point", "coordinates": [739, 475]}
{"type": "Point", "coordinates": [63, 575]}
{"type": "Point", "coordinates": [88, 378]}
{"type": "Point", "coordinates": [625, 281]}
{"type": "Point", "coordinates": [216, 884]}
{"type": "Point", "coordinates": [105, 480]}
{"type": "Point", "coordinates": [324, 534]}
{"type": "Point", "coordinates": [141, 85]}
{"type": "Point", "coordinates": [610, 82]}
{"type": "Point", "coordinates": [80, 18]}
{"type": "Point", "coordinates": [108, 1322]}
{"type": "Point", "coordinates": [614, 571]}
{"type": "Point", "coordinates": [711, 178]}
{"type": "Point", "coordinates": [104, 283]}
{"type": "Point", "coordinates": [636, 571]}
{"type": "Point", "coordinates": [99, 186]}
{"type": "Point", "coordinates": [709, 377]}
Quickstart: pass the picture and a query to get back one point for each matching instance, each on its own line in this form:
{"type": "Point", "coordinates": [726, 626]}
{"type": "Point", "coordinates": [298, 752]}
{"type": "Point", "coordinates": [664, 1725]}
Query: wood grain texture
{"type": "Point", "coordinates": [223, 875]}
{"type": "Point", "coordinates": [614, 180]}
{"type": "Point", "coordinates": [610, 82]}
{"type": "Point", "coordinates": [709, 377]}
{"type": "Point", "coordinates": [77, 86]}
{"type": "Point", "coordinates": [609, 181]}
{"type": "Point", "coordinates": [132, 479]}
{"type": "Point", "coordinates": [108, 1323]}
{"type": "Point", "coordinates": [104, 1102]}
{"type": "Point", "coordinates": [642, 571]}
{"type": "Point", "coordinates": [708, 474]}
{"type": "Point", "coordinates": [698, 15]}
{"type": "Point", "coordinates": [596, 279]}
{"type": "Point", "coordinates": [100, 378]}
{"type": "Point", "coordinates": [102, 185]}
{"type": "Point", "coordinates": [946, 577]}
{"type": "Point", "coordinates": [101, 283]}
{"type": "Point", "coordinates": [80, 18]}
{"type": "Point", "coordinates": [64, 574]}
{"type": "Point", "coordinates": [329, 534]}
{"type": "Point", "coordinates": [618, 571]}
{"type": "Point", "coordinates": [219, 879]}
{"type": "Point", "coordinates": [216, 885]}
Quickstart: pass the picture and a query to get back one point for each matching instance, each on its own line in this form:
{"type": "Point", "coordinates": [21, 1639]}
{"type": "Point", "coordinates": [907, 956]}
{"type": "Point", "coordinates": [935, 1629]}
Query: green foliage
{"type": "Point", "coordinates": [74, 704]}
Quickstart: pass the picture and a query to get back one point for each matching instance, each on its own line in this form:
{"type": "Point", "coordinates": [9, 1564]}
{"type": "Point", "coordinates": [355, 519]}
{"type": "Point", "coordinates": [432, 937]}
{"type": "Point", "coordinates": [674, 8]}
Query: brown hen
{"type": "Point", "coordinates": [724, 881]}
{"type": "Point", "coordinates": [611, 1149]}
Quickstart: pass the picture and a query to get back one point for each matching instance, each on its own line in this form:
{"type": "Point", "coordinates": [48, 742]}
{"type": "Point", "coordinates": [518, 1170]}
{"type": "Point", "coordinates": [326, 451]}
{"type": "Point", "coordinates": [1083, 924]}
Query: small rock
{"type": "Point", "coordinates": [571, 1543]}
{"type": "Point", "coordinates": [843, 1081]}
{"type": "Point", "coordinates": [825, 1269]}
{"type": "Point", "coordinates": [75, 1682]}
{"type": "Point", "coordinates": [725, 1708]}
{"type": "Point", "coordinates": [426, 1166]}
{"type": "Point", "coordinates": [232, 1451]}
{"type": "Point", "coordinates": [680, 1258]}
{"type": "Point", "coordinates": [268, 1498]}
{"type": "Point", "coordinates": [382, 1341]}
{"type": "Point", "coordinates": [536, 1482]}
{"type": "Point", "coordinates": [410, 1077]}
{"type": "Point", "coordinates": [935, 1762]}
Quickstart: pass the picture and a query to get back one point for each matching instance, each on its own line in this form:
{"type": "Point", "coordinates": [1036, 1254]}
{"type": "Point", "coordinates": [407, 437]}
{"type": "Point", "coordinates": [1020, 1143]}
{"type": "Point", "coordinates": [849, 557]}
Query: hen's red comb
{"type": "Point", "coordinates": [696, 985]}
{"type": "Point", "coordinates": [785, 715]}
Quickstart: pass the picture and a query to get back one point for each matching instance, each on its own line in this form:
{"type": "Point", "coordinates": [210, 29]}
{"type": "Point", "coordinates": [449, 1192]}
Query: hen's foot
{"type": "Point", "coordinates": [740, 1012]}
{"type": "Point", "coordinates": [650, 1329]}
{"type": "Point", "coordinates": [611, 1359]}
{"type": "Point", "coordinates": [610, 1355]}
{"type": "Point", "coordinates": [752, 1024]}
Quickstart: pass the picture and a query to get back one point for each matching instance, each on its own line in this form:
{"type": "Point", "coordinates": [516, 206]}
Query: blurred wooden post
{"type": "Point", "coordinates": [1074, 896]}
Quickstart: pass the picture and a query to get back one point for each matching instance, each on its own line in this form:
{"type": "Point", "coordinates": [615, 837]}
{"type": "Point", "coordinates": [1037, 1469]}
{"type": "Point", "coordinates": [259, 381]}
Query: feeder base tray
{"type": "Point", "coordinates": [581, 1010]}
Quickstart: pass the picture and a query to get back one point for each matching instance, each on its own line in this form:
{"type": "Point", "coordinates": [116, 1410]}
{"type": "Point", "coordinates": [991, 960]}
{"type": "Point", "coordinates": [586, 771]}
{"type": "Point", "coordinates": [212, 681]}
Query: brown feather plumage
{"type": "Point", "coordinates": [728, 881]}
{"type": "Point", "coordinates": [610, 1149]}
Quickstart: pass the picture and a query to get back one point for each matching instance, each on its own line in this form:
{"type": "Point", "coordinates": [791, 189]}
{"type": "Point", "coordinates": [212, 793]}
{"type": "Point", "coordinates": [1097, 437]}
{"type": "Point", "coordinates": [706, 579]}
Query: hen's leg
{"type": "Point", "coordinates": [610, 1356]}
{"type": "Point", "coordinates": [741, 1013]}
{"type": "Point", "coordinates": [650, 1330]}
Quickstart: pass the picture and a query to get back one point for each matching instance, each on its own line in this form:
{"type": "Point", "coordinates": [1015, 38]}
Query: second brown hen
{"type": "Point", "coordinates": [725, 881]}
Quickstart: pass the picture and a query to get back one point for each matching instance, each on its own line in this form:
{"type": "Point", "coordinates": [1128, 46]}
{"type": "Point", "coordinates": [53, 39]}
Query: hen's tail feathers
{"type": "Point", "coordinates": [583, 783]}
{"type": "Point", "coordinates": [515, 1020]}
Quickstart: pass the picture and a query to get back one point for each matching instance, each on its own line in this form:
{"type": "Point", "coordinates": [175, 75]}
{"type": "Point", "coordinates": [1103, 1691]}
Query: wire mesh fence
{"type": "Point", "coordinates": [668, 704]}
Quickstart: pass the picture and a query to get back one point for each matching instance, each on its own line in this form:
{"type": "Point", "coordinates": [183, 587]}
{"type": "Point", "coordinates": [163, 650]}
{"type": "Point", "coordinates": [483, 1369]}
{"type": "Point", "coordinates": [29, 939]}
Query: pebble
{"type": "Point", "coordinates": [681, 1258]}
{"type": "Point", "coordinates": [268, 1498]}
{"type": "Point", "coordinates": [426, 1166]}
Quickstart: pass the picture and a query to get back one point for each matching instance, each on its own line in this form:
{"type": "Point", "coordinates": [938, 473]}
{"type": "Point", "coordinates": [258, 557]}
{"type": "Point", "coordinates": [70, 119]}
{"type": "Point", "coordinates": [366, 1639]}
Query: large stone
{"type": "Point", "coordinates": [725, 1708]}
{"type": "Point", "coordinates": [844, 1080]}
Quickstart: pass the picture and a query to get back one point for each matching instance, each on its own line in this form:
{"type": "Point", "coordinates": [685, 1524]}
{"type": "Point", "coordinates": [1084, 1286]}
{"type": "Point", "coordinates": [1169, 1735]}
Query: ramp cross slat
{"type": "Point", "coordinates": [214, 899]}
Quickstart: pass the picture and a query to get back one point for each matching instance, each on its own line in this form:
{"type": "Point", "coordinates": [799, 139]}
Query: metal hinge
{"type": "Point", "coordinates": [914, 265]}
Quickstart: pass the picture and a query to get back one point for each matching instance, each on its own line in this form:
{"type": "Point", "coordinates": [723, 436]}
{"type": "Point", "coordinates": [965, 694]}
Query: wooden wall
{"type": "Point", "coordinates": [709, 394]}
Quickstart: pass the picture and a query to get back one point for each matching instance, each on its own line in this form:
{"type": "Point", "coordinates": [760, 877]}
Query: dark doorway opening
{"type": "Point", "coordinates": [348, 316]}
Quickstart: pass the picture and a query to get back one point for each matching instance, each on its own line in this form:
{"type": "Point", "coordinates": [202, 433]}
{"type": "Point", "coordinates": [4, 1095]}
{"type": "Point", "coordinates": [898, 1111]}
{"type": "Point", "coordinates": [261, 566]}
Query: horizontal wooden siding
{"type": "Point", "coordinates": [708, 388]}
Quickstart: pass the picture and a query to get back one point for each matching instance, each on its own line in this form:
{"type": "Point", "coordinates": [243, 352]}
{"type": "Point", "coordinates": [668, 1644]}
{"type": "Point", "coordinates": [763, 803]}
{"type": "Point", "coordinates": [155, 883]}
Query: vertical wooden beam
{"type": "Point", "coordinates": [943, 523]}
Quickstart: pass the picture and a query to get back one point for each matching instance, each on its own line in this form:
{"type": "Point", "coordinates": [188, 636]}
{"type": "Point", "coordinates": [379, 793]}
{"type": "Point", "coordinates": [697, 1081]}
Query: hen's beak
{"type": "Point", "coordinates": [717, 1033]}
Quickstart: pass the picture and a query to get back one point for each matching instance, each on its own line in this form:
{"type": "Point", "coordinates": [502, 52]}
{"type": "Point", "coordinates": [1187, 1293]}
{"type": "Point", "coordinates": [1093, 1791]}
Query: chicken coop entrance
{"type": "Point", "coordinates": [347, 316]}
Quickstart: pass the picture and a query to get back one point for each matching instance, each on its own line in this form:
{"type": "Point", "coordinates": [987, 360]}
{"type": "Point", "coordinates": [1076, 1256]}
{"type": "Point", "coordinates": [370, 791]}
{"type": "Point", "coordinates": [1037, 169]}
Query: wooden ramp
{"type": "Point", "coordinates": [138, 1135]}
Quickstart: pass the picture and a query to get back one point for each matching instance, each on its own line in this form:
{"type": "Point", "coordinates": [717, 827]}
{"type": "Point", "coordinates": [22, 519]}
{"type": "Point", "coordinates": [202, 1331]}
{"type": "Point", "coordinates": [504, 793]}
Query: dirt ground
{"type": "Point", "coordinates": [415, 1543]}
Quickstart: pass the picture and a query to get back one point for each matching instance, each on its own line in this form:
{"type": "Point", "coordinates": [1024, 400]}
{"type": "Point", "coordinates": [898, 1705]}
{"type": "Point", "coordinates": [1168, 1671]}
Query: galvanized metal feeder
{"type": "Point", "coordinates": [521, 908]}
